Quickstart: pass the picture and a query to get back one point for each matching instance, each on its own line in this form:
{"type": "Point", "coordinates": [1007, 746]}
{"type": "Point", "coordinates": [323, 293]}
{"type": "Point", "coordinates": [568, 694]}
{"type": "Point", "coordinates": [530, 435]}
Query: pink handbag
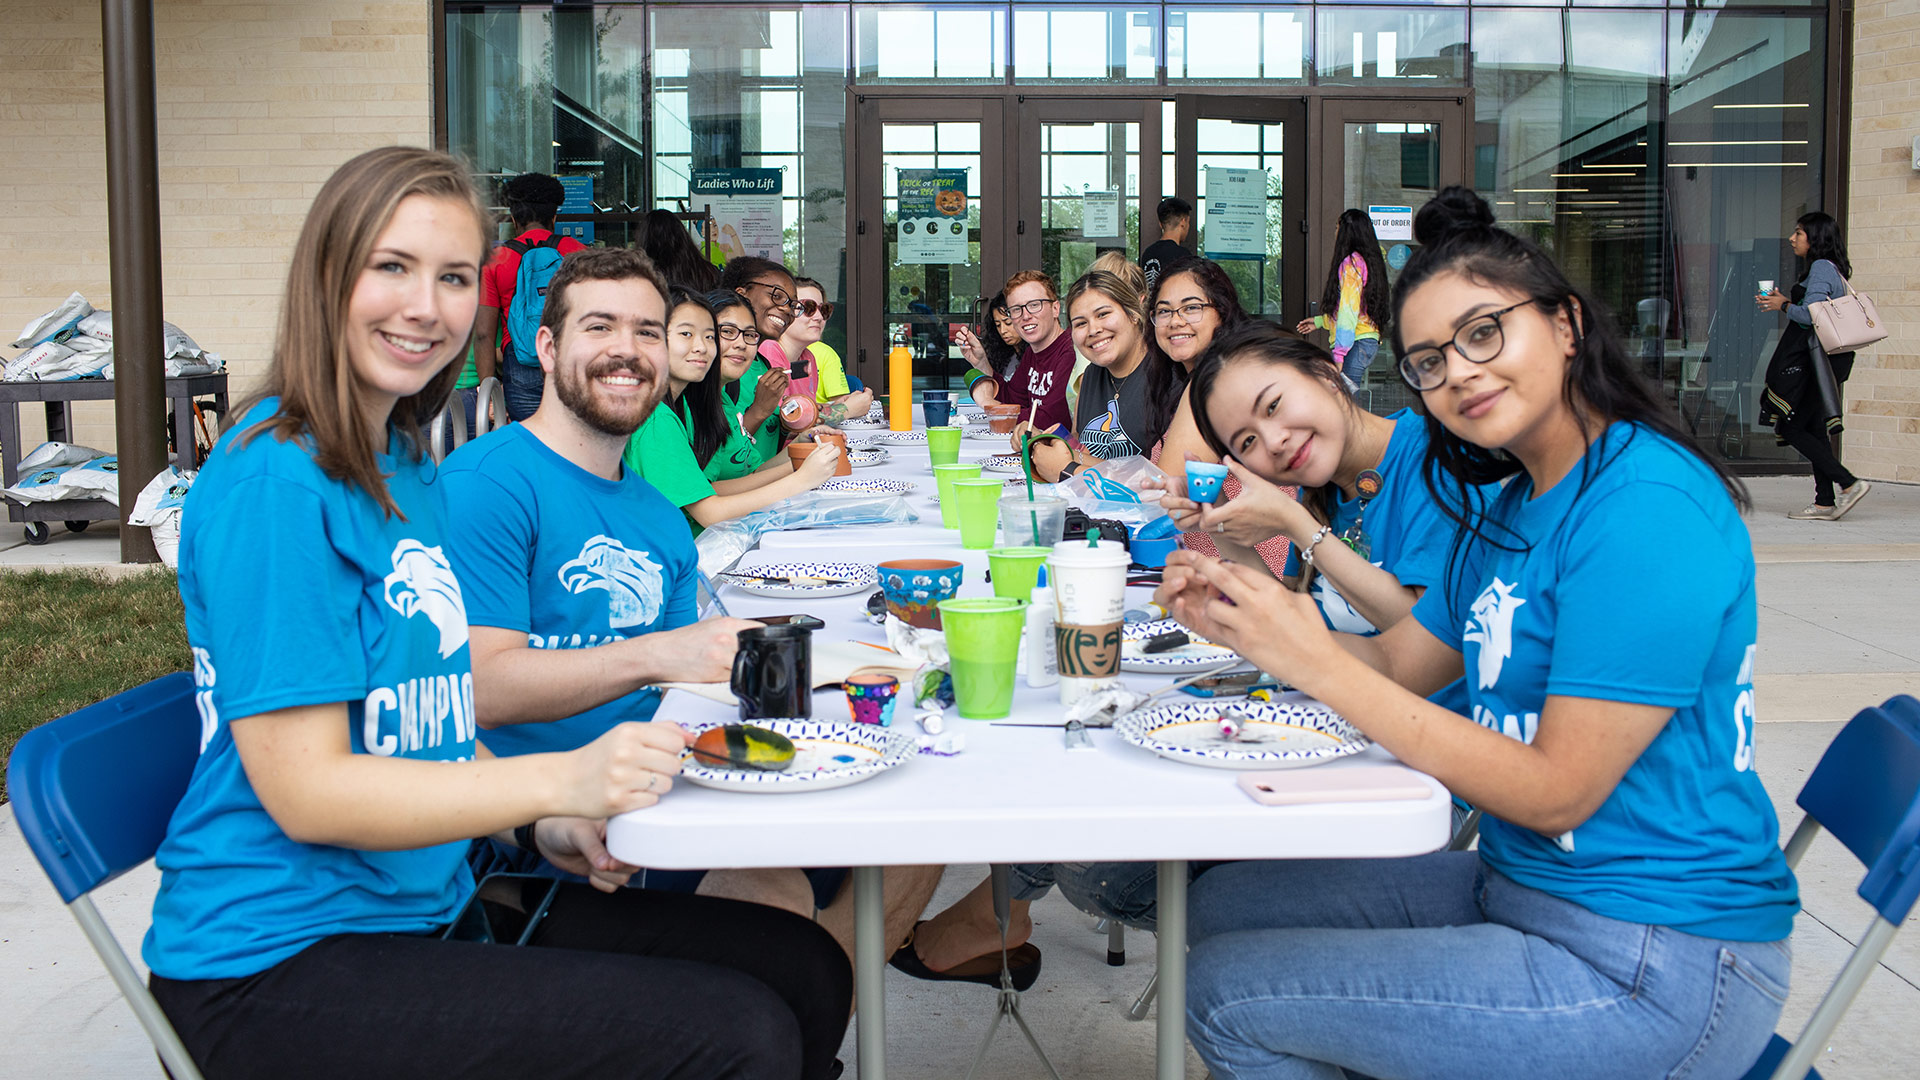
{"type": "Point", "coordinates": [1846, 323]}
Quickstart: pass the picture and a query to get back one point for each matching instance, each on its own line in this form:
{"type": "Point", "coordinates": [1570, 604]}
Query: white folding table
{"type": "Point", "coordinates": [1014, 795]}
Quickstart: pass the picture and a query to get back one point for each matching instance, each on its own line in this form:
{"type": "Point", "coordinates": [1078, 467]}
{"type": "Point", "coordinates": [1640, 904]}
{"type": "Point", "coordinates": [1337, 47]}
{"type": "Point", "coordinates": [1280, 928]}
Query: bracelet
{"type": "Point", "coordinates": [523, 837]}
{"type": "Point", "coordinates": [1306, 553]}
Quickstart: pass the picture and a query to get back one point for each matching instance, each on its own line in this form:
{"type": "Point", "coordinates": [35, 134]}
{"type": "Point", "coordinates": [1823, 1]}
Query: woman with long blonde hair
{"type": "Point", "coordinates": [315, 891]}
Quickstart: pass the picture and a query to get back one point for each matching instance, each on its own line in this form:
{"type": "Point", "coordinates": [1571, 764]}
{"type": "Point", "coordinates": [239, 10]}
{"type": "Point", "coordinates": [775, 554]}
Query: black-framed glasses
{"type": "Point", "coordinates": [1189, 313]}
{"type": "Point", "coordinates": [780, 296]}
{"type": "Point", "coordinates": [730, 332]}
{"type": "Point", "coordinates": [1479, 341]}
{"type": "Point", "coordinates": [1031, 307]}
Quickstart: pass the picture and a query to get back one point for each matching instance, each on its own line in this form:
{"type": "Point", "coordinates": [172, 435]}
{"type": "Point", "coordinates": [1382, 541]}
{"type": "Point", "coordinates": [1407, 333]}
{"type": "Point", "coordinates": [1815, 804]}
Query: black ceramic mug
{"type": "Point", "coordinates": [773, 672]}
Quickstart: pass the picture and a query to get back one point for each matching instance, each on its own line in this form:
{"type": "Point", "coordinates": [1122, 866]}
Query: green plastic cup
{"type": "Point", "coordinates": [943, 478]}
{"type": "Point", "coordinates": [978, 504]}
{"type": "Point", "coordinates": [983, 641]}
{"type": "Point", "coordinates": [1016, 570]}
{"type": "Point", "coordinates": [943, 445]}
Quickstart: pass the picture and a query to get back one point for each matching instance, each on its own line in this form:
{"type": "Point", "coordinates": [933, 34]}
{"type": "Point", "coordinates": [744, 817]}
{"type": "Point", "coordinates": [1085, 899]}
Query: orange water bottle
{"type": "Point", "coordinates": [900, 387]}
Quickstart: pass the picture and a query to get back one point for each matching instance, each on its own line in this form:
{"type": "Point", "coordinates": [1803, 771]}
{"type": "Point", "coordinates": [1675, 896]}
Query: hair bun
{"type": "Point", "coordinates": [1455, 210]}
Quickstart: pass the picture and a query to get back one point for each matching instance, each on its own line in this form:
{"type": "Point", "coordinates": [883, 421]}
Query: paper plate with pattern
{"type": "Point", "coordinates": [1001, 463]}
{"type": "Point", "coordinates": [905, 438]}
{"type": "Point", "coordinates": [844, 579]}
{"type": "Point", "coordinates": [1197, 654]}
{"type": "Point", "coordinates": [987, 434]}
{"type": "Point", "coordinates": [876, 485]}
{"type": "Point", "coordinates": [867, 457]}
{"type": "Point", "coordinates": [1273, 734]}
{"type": "Point", "coordinates": [826, 755]}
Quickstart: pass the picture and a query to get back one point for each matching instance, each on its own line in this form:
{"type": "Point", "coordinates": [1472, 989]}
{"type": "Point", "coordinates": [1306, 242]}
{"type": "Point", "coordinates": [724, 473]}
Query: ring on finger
{"type": "Point", "coordinates": [651, 777]}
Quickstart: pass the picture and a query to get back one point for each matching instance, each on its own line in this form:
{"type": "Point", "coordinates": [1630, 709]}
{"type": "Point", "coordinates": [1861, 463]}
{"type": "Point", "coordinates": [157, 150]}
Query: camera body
{"type": "Point", "coordinates": [1079, 527]}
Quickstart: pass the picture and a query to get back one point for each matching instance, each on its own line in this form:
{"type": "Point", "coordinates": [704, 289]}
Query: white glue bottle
{"type": "Point", "coordinates": [1038, 649]}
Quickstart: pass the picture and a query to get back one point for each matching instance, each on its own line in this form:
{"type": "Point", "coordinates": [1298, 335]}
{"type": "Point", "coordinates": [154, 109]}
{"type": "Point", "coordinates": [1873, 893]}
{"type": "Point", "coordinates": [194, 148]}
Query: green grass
{"type": "Point", "coordinates": [70, 638]}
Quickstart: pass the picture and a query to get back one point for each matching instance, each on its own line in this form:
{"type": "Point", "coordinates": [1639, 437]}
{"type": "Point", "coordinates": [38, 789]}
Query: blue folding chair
{"type": "Point", "coordinates": [93, 792]}
{"type": "Point", "coordinates": [1866, 792]}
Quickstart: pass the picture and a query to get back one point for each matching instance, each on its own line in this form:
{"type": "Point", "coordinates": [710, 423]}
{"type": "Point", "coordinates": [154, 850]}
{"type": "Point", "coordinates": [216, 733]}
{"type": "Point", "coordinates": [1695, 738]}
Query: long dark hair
{"type": "Point", "coordinates": [1166, 380]}
{"type": "Point", "coordinates": [1456, 234]}
{"type": "Point", "coordinates": [1267, 343]}
{"type": "Point", "coordinates": [1824, 242]}
{"type": "Point", "coordinates": [1000, 355]}
{"type": "Point", "coordinates": [672, 249]}
{"type": "Point", "coordinates": [718, 301]}
{"type": "Point", "coordinates": [1355, 236]}
{"type": "Point", "coordinates": [699, 404]}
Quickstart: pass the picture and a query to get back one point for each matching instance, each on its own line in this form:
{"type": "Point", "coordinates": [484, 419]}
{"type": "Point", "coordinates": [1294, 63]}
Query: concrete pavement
{"type": "Point", "coordinates": [1839, 630]}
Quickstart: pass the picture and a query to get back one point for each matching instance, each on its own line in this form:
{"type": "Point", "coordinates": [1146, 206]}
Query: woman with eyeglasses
{"type": "Point", "coordinates": [826, 373]}
{"type": "Point", "coordinates": [1193, 304]}
{"type": "Point", "coordinates": [687, 448]}
{"type": "Point", "coordinates": [1628, 909]}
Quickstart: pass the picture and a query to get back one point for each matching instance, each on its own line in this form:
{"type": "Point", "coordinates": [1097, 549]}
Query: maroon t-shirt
{"type": "Point", "coordinates": [1042, 376]}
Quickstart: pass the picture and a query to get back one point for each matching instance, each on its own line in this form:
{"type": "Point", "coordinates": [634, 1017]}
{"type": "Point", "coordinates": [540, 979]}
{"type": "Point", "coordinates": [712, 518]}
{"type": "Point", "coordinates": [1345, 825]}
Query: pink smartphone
{"type": "Point", "coordinates": [1359, 783]}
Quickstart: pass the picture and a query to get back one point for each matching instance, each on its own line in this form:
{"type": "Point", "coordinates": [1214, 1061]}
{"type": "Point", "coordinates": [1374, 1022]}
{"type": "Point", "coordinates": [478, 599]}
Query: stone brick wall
{"type": "Point", "coordinates": [257, 102]}
{"type": "Point", "coordinates": [1883, 238]}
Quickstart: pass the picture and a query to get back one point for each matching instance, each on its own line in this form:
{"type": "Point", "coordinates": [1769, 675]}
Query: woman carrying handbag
{"type": "Point", "coordinates": [1802, 398]}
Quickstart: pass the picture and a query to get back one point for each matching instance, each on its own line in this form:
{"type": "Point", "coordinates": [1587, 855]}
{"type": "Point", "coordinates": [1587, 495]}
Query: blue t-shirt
{"type": "Point", "coordinates": [1405, 532]}
{"type": "Point", "coordinates": [300, 590]}
{"type": "Point", "coordinates": [570, 559]}
{"type": "Point", "coordinates": [1637, 589]}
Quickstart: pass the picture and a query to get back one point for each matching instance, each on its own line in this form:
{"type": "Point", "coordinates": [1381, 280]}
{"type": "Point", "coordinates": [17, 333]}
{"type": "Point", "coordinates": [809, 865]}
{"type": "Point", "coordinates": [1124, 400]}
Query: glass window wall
{"type": "Point", "coordinates": [1661, 152]}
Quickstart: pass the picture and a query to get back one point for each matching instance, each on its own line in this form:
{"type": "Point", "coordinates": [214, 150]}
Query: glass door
{"type": "Point", "coordinates": [1083, 191]}
{"type": "Point", "coordinates": [1251, 154]}
{"type": "Point", "coordinates": [929, 233]}
{"type": "Point", "coordinates": [1388, 158]}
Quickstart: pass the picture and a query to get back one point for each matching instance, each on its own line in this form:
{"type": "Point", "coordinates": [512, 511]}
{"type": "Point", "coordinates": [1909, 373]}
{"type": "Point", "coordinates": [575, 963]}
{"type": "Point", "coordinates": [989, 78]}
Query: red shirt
{"type": "Point", "coordinates": [1042, 377]}
{"type": "Point", "coordinates": [503, 270]}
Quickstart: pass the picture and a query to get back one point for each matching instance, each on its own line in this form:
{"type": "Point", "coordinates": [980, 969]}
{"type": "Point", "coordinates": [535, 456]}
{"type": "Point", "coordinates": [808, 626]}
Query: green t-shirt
{"type": "Point", "coordinates": [469, 375]}
{"type": "Point", "coordinates": [737, 456]}
{"type": "Point", "coordinates": [767, 438]}
{"type": "Point", "coordinates": [662, 453]}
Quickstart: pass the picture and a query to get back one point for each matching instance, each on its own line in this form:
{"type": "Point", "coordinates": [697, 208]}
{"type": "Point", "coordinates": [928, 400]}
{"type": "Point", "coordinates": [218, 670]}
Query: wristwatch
{"type": "Point", "coordinates": [1072, 467]}
{"type": "Point", "coordinates": [523, 838]}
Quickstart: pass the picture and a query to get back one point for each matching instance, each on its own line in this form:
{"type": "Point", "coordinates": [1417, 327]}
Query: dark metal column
{"type": "Point", "coordinates": [133, 240]}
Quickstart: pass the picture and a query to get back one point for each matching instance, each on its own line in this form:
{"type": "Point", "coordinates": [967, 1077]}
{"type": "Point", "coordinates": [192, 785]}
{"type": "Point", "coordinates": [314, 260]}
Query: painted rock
{"type": "Point", "coordinates": [743, 746]}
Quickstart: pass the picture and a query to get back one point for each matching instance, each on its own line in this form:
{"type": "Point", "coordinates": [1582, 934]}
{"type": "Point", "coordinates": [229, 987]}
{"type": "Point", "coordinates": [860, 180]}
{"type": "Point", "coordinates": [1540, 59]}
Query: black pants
{"type": "Point", "coordinates": [629, 984]}
{"type": "Point", "coordinates": [1817, 448]}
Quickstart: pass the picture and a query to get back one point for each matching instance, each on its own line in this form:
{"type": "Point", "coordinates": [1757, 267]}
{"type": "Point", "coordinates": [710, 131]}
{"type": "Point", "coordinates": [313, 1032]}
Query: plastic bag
{"type": "Point", "coordinates": [98, 325]}
{"type": "Point", "coordinates": [1113, 489]}
{"type": "Point", "coordinates": [53, 454]}
{"type": "Point", "coordinates": [164, 496]}
{"type": "Point", "coordinates": [722, 545]}
{"type": "Point", "coordinates": [59, 321]}
{"type": "Point", "coordinates": [53, 362]}
{"type": "Point", "coordinates": [96, 479]}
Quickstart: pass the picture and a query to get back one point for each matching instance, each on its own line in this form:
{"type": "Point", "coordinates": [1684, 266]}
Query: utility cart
{"type": "Point", "coordinates": [58, 398]}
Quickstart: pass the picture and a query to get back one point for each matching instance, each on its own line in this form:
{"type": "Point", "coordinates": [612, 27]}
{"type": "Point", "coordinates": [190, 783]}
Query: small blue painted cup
{"type": "Point", "coordinates": [1204, 479]}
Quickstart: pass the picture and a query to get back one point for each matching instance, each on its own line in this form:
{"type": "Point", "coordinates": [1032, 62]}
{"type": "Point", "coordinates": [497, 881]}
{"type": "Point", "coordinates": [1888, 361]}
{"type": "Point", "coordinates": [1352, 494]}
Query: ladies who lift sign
{"type": "Point", "coordinates": [746, 210]}
{"type": "Point", "coordinates": [933, 216]}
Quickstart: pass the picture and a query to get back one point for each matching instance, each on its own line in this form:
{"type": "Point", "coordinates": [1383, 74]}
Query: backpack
{"type": "Point", "coordinates": [538, 262]}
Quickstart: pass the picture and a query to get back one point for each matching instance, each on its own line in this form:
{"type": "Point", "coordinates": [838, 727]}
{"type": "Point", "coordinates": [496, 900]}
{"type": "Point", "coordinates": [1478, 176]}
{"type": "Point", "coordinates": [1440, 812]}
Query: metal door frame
{"type": "Point", "coordinates": [1024, 182]}
{"type": "Point", "coordinates": [1295, 182]}
{"type": "Point", "coordinates": [1330, 115]}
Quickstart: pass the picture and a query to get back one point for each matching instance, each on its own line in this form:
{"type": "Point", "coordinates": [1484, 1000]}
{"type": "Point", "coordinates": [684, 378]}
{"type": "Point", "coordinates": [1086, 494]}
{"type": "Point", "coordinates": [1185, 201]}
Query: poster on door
{"type": "Point", "coordinates": [579, 200]}
{"type": "Point", "coordinates": [933, 216]}
{"type": "Point", "coordinates": [1100, 215]}
{"type": "Point", "coordinates": [1392, 222]}
{"type": "Point", "coordinates": [746, 210]}
{"type": "Point", "coordinates": [1236, 221]}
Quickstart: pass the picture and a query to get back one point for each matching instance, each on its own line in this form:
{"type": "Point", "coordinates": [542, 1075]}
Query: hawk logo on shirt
{"type": "Point", "coordinates": [422, 583]}
{"type": "Point", "coordinates": [1340, 613]}
{"type": "Point", "coordinates": [632, 581]}
{"type": "Point", "coordinates": [1492, 628]}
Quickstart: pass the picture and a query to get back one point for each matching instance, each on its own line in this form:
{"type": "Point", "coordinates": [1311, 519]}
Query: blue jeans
{"type": "Point", "coordinates": [1441, 966]}
{"type": "Point", "coordinates": [523, 384]}
{"type": "Point", "coordinates": [1359, 356]}
{"type": "Point", "coordinates": [1128, 892]}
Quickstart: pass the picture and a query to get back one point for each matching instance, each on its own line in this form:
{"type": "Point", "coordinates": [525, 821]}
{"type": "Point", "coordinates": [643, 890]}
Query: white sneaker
{"type": "Point", "coordinates": [1844, 499]}
{"type": "Point", "coordinates": [1814, 512]}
